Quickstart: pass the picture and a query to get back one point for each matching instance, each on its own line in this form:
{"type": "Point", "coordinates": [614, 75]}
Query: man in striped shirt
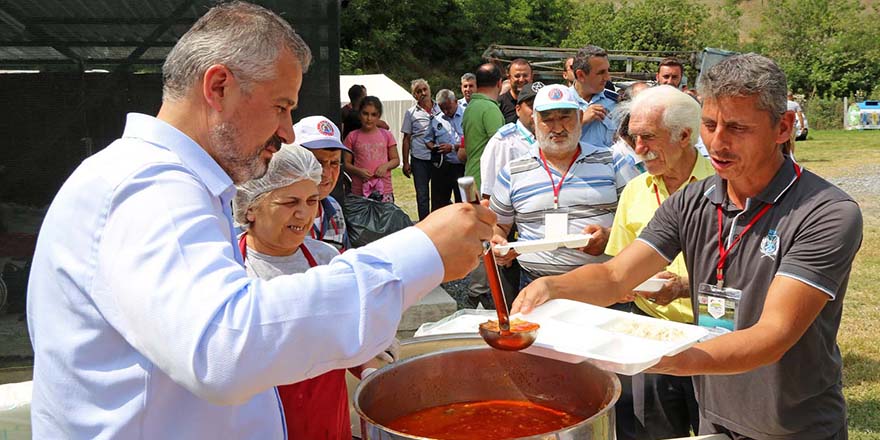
{"type": "Point", "coordinates": [560, 175]}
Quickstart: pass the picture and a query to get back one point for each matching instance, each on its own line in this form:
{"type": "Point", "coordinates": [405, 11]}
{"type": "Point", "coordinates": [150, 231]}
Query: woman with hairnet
{"type": "Point", "coordinates": [277, 212]}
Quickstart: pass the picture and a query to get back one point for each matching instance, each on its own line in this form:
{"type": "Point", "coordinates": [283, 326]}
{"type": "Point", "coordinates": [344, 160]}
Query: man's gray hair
{"type": "Point", "coordinates": [748, 75]}
{"type": "Point", "coordinates": [582, 59]}
{"type": "Point", "coordinates": [468, 77]}
{"type": "Point", "coordinates": [444, 95]}
{"type": "Point", "coordinates": [245, 38]}
{"type": "Point", "coordinates": [417, 82]}
{"type": "Point", "coordinates": [680, 111]}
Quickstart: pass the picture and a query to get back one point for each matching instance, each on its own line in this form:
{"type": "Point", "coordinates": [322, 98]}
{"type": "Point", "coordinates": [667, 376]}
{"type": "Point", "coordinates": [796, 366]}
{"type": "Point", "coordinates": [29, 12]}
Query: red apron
{"type": "Point", "coordinates": [316, 408]}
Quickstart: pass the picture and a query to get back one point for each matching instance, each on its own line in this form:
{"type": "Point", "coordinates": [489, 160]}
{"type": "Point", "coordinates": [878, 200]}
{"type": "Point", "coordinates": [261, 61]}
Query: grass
{"type": "Point", "coordinates": [834, 154]}
{"type": "Point", "coordinates": [841, 154]}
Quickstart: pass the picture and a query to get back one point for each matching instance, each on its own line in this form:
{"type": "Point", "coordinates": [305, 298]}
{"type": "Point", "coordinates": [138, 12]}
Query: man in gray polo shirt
{"type": "Point", "coordinates": [789, 239]}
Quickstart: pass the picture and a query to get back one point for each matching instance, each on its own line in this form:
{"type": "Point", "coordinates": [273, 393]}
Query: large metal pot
{"type": "Point", "coordinates": [465, 374]}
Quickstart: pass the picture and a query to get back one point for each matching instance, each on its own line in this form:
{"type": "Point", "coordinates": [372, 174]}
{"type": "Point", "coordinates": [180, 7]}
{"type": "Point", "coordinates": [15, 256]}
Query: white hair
{"type": "Point", "coordinates": [417, 82]}
{"type": "Point", "coordinates": [444, 95]}
{"type": "Point", "coordinates": [680, 111]}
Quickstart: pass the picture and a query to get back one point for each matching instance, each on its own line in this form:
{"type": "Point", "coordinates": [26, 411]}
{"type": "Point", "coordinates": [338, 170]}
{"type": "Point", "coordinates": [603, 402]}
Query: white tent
{"type": "Point", "coordinates": [395, 99]}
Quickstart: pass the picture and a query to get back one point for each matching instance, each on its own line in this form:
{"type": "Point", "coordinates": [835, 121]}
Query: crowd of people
{"type": "Point", "coordinates": [151, 317]}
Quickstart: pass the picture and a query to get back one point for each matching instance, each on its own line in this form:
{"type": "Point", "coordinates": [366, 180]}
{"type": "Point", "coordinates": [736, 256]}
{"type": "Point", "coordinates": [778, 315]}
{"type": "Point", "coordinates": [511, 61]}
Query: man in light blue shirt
{"type": "Point", "coordinates": [447, 134]}
{"type": "Point", "coordinates": [591, 73]}
{"type": "Point", "coordinates": [143, 320]}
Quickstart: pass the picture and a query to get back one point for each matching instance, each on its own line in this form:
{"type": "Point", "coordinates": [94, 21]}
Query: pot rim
{"type": "Point", "coordinates": [609, 408]}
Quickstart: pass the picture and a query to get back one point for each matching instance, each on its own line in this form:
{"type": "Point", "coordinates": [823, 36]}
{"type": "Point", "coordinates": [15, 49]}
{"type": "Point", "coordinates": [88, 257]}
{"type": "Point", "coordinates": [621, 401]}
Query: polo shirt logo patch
{"type": "Point", "coordinates": [770, 245]}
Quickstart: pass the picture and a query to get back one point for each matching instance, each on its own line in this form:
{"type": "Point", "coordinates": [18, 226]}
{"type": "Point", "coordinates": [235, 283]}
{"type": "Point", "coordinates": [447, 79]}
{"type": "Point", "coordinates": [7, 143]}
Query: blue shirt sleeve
{"type": "Point", "coordinates": [170, 284]}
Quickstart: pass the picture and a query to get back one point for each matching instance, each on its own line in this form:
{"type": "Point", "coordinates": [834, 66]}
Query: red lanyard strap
{"type": "Point", "coordinates": [242, 246]}
{"type": "Point", "coordinates": [657, 193]}
{"type": "Point", "coordinates": [724, 252]}
{"type": "Point", "coordinates": [558, 188]}
{"type": "Point", "coordinates": [308, 255]}
{"type": "Point", "coordinates": [320, 235]}
{"type": "Point", "coordinates": [719, 275]}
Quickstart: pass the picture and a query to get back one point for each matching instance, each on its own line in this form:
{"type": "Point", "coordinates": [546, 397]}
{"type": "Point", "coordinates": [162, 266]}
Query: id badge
{"type": "Point", "coordinates": [718, 308]}
{"type": "Point", "coordinates": [555, 225]}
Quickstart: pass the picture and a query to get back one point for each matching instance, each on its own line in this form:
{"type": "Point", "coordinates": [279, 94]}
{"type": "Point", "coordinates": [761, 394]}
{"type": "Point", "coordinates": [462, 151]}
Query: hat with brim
{"type": "Point", "coordinates": [318, 133]}
{"type": "Point", "coordinates": [555, 97]}
{"type": "Point", "coordinates": [529, 91]}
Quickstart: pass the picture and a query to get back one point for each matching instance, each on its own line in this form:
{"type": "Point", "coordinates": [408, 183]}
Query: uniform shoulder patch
{"type": "Point", "coordinates": [506, 130]}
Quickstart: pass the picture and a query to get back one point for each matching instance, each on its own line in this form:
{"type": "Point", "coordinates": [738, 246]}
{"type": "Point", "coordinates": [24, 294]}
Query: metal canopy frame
{"type": "Point", "coordinates": [547, 62]}
{"type": "Point", "coordinates": [29, 41]}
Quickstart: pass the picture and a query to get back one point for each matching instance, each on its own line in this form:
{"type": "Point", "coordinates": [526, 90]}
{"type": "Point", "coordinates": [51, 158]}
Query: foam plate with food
{"type": "Point", "coordinates": [621, 342]}
{"type": "Point", "coordinates": [545, 244]}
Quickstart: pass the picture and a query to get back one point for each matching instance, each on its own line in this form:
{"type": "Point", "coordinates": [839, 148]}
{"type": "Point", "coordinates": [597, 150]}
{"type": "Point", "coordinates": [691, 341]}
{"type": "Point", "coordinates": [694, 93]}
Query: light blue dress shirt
{"type": "Point", "coordinates": [145, 324]}
{"type": "Point", "coordinates": [599, 133]}
{"type": "Point", "coordinates": [446, 130]}
{"type": "Point", "coordinates": [417, 124]}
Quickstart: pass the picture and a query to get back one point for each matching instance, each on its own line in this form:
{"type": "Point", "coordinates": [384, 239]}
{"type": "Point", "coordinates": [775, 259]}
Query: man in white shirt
{"type": "Point", "coordinates": [468, 87]}
{"type": "Point", "coordinates": [800, 121]}
{"type": "Point", "coordinates": [143, 320]}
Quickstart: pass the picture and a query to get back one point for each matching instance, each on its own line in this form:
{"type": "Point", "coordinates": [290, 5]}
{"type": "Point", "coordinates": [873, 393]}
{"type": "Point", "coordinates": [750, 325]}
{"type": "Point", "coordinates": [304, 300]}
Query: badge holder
{"type": "Point", "coordinates": [718, 309]}
{"type": "Point", "coordinates": [555, 225]}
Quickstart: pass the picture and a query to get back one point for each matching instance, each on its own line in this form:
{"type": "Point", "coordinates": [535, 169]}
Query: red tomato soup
{"type": "Point", "coordinates": [486, 420]}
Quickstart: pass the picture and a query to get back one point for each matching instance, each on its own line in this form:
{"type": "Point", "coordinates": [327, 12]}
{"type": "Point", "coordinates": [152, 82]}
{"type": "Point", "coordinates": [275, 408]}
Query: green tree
{"type": "Point", "coordinates": [826, 47]}
{"type": "Point", "coordinates": [441, 39]}
{"type": "Point", "coordinates": [655, 25]}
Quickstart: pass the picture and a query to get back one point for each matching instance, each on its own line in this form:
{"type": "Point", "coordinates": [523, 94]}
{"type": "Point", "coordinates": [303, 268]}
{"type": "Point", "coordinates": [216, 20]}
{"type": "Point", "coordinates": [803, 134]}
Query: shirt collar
{"type": "Point", "coordinates": [458, 112]}
{"type": "Point", "coordinates": [525, 133]}
{"type": "Point", "coordinates": [164, 135]}
{"type": "Point", "coordinates": [586, 150]}
{"type": "Point", "coordinates": [702, 168]}
{"type": "Point", "coordinates": [785, 177]}
{"type": "Point", "coordinates": [482, 96]}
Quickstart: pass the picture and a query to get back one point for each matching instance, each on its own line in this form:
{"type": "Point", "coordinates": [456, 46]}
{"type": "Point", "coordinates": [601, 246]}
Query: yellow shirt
{"type": "Point", "coordinates": [635, 208]}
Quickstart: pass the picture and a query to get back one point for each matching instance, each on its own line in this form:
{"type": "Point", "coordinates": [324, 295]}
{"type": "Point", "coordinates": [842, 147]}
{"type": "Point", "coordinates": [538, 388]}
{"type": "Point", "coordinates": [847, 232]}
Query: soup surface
{"type": "Point", "coordinates": [516, 326]}
{"type": "Point", "coordinates": [486, 420]}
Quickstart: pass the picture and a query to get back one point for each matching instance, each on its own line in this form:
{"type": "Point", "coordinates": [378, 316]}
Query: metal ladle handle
{"type": "Point", "coordinates": [468, 188]}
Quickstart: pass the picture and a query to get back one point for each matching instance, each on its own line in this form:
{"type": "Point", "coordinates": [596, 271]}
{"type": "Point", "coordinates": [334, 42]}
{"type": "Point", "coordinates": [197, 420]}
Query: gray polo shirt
{"type": "Point", "coordinates": [811, 234]}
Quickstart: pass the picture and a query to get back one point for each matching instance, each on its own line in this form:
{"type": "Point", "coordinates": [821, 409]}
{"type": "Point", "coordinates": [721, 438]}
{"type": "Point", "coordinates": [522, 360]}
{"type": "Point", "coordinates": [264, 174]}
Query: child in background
{"type": "Point", "coordinates": [375, 153]}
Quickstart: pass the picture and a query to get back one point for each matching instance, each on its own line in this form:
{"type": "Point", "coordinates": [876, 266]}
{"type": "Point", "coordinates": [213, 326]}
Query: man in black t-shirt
{"type": "Point", "coordinates": [519, 73]}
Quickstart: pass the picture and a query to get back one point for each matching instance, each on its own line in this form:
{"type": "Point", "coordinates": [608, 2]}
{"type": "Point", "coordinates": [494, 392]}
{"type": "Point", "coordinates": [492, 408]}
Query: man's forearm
{"type": "Point", "coordinates": [502, 229]}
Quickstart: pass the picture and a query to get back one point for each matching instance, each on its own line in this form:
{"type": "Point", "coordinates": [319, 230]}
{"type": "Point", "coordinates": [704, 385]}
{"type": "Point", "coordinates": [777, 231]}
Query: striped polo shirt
{"type": "Point", "coordinates": [523, 194]}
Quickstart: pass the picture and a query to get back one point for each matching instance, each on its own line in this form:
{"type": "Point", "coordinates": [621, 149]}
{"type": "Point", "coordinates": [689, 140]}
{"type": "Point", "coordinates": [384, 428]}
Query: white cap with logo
{"type": "Point", "coordinates": [318, 133]}
{"type": "Point", "coordinates": [555, 96]}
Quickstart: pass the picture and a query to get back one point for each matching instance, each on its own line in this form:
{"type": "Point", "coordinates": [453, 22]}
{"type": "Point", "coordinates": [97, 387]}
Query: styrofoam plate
{"type": "Point", "coordinates": [651, 285]}
{"type": "Point", "coordinates": [573, 331]}
{"type": "Point", "coordinates": [545, 244]}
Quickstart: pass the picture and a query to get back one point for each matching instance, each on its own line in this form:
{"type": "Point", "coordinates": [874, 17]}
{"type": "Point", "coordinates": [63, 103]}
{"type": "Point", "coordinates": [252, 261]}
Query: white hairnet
{"type": "Point", "coordinates": [289, 165]}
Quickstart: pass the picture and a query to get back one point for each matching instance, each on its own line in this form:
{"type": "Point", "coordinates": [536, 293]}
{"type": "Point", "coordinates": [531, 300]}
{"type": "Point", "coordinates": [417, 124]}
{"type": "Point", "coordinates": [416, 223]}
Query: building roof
{"type": "Point", "coordinates": [87, 34]}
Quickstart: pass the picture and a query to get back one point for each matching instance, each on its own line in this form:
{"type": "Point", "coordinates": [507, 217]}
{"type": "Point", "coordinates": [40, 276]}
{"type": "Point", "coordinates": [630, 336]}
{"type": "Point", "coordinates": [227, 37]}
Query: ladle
{"type": "Point", "coordinates": [504, 339]}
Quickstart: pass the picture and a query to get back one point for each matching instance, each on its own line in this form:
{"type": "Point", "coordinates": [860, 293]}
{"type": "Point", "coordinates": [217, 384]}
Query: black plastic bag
{"type": "Point", "coordinates": [369, 220]}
